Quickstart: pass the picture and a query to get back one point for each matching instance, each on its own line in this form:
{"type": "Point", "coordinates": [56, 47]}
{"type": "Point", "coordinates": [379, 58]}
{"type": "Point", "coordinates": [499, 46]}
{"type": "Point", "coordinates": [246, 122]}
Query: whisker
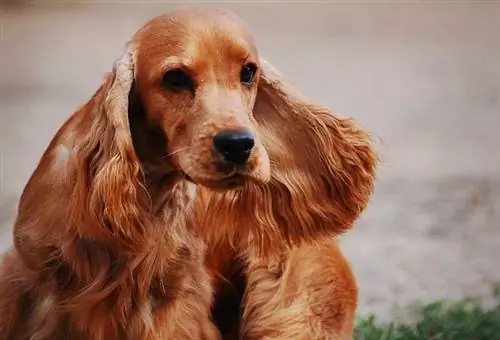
{"type": "Point", "coordinates": [175, 152]}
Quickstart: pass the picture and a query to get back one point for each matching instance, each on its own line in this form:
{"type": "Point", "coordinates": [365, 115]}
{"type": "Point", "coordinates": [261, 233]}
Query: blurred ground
{"type": "Point", "coordinates": [424, 78]}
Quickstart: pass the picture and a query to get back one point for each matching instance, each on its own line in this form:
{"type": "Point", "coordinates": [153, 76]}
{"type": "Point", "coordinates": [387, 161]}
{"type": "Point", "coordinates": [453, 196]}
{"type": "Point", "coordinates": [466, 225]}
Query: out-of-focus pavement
{"type": "Point", "coordinates": [424, 78]}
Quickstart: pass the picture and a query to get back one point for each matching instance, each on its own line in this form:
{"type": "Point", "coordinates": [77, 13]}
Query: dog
{"type": "Point", "coordinates": [195, 195]}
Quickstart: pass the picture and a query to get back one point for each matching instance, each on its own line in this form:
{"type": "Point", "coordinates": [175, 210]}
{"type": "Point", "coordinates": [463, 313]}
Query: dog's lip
{"type": "Point", "coordinates": [233, 176]}
{"type": "Point", "coordinates": [233, 181]}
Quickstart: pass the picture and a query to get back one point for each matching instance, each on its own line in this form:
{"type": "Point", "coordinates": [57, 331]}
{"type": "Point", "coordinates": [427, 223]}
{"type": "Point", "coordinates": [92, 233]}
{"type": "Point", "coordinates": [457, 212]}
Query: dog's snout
{"type": "Point", "coordinates": [234, 146]}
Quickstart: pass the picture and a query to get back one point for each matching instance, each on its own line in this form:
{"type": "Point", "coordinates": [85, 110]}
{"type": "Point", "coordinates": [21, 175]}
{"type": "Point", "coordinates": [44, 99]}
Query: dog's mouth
{"type": "Point", "coordinates": [232, 181]}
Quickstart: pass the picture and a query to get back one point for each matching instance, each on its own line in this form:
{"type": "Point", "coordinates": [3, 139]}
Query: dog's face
{"type": "Point", "coordinates": [197, 75]}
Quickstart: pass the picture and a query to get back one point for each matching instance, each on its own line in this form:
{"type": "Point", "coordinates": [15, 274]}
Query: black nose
{"type": "Point", "coordinates": [234, 146]}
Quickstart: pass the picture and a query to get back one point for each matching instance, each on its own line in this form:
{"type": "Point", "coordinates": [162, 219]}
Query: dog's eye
{"type": "Point", "coordinates": [247, 74]}
{"type": "Point", "coordinates": [178, 80]}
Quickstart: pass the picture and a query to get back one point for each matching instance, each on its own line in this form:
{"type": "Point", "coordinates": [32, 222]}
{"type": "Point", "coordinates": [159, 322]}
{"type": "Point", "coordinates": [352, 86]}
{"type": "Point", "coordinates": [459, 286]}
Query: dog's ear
{"type": "Point", "coordinates": [324, 164]}
{"type": "Point", "coordinates": [322, 169]}
{"type": "Point", "coordinates": [108, 172]}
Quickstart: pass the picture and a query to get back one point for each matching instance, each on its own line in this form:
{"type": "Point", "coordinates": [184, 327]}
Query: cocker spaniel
{"type": "Point", "coordinates": [194, 196]}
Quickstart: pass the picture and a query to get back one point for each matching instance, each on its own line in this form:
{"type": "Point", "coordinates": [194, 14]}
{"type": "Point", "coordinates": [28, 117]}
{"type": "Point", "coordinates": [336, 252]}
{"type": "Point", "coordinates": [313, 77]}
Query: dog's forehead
{"type": "Point", "coordinates": [181, 28]}
{"type": "Point", "coordinates": [189, 37]}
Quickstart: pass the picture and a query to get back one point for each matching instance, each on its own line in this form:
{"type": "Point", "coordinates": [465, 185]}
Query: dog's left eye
{"type": "Point", "coordinates": [178, 80]}
{"type": "Point", "coordinates": [247, 74]}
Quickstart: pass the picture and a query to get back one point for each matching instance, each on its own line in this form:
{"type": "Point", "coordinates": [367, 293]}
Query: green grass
{"type": "Point", "coordinates": [463, 320]}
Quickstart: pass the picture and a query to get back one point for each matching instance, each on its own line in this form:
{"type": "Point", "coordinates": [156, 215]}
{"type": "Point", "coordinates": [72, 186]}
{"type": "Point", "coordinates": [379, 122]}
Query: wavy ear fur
{"type": "Point", "coordinates": [323, 170]}
{"type": "Point", "coordinates": [108, 181]}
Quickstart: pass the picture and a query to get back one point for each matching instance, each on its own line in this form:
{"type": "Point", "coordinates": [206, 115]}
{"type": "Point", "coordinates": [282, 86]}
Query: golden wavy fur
{"type": "Point", "coordinates": [272, 251]}
{"type": "Point", "coordinates": [322, 173]}
{"type": "Point", "coordinates": [194, 173]}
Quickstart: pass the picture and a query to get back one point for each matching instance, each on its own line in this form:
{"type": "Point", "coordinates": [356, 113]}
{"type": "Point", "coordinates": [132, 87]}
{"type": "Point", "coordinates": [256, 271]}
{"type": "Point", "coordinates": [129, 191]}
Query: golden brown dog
{"type": "Point", "coordinates": [110, 234]}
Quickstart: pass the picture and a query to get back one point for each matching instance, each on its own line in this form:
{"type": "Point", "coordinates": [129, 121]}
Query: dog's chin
{"type": "Point", "coordinates": [232, 182]}
{"type": "Point", "coordinates": [228, 183]}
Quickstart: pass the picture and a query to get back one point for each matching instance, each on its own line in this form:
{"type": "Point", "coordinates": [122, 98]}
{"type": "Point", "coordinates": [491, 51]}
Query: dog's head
{"type": "Point", "coordinates": [191, 102]}
{"type": "Point", "coordinates": [192, 97]}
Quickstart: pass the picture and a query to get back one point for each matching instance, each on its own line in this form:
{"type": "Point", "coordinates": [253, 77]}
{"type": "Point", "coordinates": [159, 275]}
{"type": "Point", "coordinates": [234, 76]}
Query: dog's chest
{"type": "Point", "coordinates": [118, 300]}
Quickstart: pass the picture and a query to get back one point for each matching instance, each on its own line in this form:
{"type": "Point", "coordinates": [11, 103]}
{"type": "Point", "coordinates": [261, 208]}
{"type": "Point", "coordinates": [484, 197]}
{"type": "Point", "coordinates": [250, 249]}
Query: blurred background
{"type": "Point", "coordinates": [423, 77]}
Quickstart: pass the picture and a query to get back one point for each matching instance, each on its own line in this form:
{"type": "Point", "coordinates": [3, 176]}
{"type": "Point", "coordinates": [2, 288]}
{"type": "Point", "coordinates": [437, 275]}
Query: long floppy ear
{"type": "Point", "coordinates": [322, 168]}
{"type": "Point", "coordinates": [105, 201]}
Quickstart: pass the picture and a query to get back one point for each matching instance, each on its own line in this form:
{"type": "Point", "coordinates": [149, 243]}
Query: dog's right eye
{"type": "Point", "coordinates": [178, 80]}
